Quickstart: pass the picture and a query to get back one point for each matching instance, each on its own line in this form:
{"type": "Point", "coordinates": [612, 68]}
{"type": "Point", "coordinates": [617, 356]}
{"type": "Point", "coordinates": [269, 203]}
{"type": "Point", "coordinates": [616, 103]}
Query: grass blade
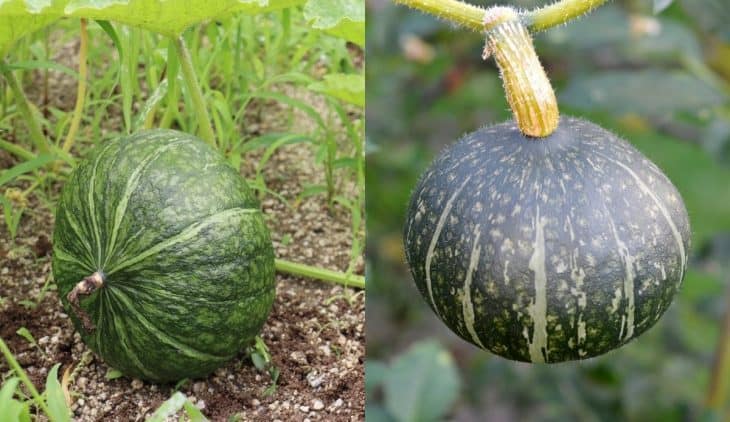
{"type": "Point", "coordinates": [25, 167]}
{"type": "Point", "coordinates": [112, 33]}
{"type": "Point", "coordinates": [58, 411]}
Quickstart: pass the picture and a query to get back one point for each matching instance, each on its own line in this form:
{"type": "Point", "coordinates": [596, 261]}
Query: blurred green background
{"type": "Point", "coordinates": [660, 81]}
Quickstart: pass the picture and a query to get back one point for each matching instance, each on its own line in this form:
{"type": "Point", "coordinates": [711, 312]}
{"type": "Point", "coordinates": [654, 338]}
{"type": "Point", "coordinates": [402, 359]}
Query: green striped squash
{"type": "Point", "coordinates": [546, 250]}
{"type": "Point", "coordinates": [162, 257]}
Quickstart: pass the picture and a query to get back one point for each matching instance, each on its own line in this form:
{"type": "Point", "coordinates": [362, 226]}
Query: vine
{"type": "Point", "coordinates": [472, 17]}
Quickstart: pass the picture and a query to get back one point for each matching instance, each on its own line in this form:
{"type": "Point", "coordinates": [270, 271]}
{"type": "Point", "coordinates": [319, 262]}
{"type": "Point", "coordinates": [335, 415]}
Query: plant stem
{"type": "Point", "coordinates": [527, 87]}
{"type": "Point", "coordinates": [17, 150]}
{"type": "Point", "coordinates": [455, 11]}
{"type": "Point", "coordinates": [23, 377]}
{"type": "Point", "coordinates": [348, 280]}
{"type": "Point", "coordinates": [717, 391]}
{"type": "Point", "coordinates": [472, 17]}
{"type": "Point", "coordinates": [31, 120]}
{"type": "Point", "coordinates": [80, 89]}
{"type": "Point", "coordinates": [196, 94]}
{"type": "Point", "coordinates": [558, 13]}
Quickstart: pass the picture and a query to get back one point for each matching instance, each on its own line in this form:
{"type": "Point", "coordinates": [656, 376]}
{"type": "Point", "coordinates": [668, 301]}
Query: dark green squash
{"type": "Point", "coordinates": [175, 262]}
{"type": "Point", "coordinates": [546, 250]}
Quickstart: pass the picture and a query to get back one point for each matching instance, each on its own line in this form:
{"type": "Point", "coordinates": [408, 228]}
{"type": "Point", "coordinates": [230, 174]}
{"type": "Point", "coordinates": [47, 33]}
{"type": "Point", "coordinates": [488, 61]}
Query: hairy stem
{"type": "Point", "coordinates": [455, 11]}
{"type": "Point", "coordinates": [717, 391]}
{"type": "Point", "coordinates": [349, 280]}
{"type": "Point", "coordinates": [80, 89]}
{"type": "Point", "coordinates": [196, 93]}
{"type": "Point", "coordinates": [558, 13]}
{"type": "Point", "coordinates": [31, 120]}
{"type": "Point", "coordinates": [527, 87]}
{"type": "Point", "coordinates": [472, 17]}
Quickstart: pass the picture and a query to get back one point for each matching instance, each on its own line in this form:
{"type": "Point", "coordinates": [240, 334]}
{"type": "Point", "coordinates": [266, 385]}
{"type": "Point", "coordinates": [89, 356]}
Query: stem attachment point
{"type": "Point", "coordinates": [85, 287]}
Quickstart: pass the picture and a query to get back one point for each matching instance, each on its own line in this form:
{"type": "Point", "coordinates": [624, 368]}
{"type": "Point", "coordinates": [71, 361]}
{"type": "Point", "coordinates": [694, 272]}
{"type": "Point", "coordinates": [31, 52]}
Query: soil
{"type": "Point", "coordinates": [315, 333]}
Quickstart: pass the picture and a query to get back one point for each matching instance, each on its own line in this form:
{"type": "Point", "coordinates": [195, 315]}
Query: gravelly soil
{"type": "Point", "coordinates": [315, 332]}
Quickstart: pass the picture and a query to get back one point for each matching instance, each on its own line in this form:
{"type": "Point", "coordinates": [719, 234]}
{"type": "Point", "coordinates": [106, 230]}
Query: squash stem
{"type": "Point", "coordinates": [24, 107]}
{"type": "Point", "coordinates": [80, 90]}
{"type": "Point", "coordinates": [13, 363]}
{"type": "Point", "coordinates": [196, 93]}
{"type": "Point", "coordinates": [347, 280]}
{"type": "Point", "coordinates": [526, 86]}
{"type": "Point", "coordinates": [85, 287]}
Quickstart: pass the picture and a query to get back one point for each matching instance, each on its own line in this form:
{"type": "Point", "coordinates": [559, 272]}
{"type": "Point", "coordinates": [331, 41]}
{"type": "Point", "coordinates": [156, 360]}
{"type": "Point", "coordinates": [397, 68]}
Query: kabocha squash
{"type": "Point", "coordinates": [162, 257]}
{"type": "Point", "coordinates": [549, 249]}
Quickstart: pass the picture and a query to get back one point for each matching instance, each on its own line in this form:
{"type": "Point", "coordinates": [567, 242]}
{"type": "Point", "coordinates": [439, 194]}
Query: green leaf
{"type": "Point", "coordinates": [43, 64]}
{"type": "Point", "coordinates": [193, 412]}
{"type": "Point", "coordinates": [150, 106]}
{"type": "Point", "coordinates": [58, 411]}
{"type": "Point", "coordinates": [20, 18]}
{"type": "Point", "coordinates": [25, 167]}
{"type": "Point", "coordinates": [294, 103]}
{"type": "Point", "coordinates": [171, 17]}
{"type": "Point", "coordinates": [422, 383]}
{"type": "Point", "coordinates": [112, 374]}
{"type": "Point", "coordinates": [112, 33]}
{"type": "Point", "coordinates": [341, 18]}
{"type": "Point", "coordinates": [258, 361]}
{"type": "Point", "coordinates": [660, 5]}
{"type": "Point", "coordinates": [376, 413]}
{"type": "Point", "coordinates": [375, 373]}
{"type": "Point", "coordinates": [264, 141]}
{"type": "Point", "coordinates": [169, 407]}
{"type": "Point", "coordinates": [345, 87]}
{"type": "Point", "coordinates": [623, 92]}
{"type": "Point", "coordinates": [23, 332]}
{"type": "Point", "coordinates": [10, 408]}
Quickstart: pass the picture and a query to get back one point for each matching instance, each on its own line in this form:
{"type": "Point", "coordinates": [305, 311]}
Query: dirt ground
{"type": "Point", "coordinates": [315, 332]}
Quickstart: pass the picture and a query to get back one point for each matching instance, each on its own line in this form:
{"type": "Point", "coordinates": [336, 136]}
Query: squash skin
{"type": "Point", "coordinates": [546, 250]}
{"type": "Point", "coordinates": [189, 274]}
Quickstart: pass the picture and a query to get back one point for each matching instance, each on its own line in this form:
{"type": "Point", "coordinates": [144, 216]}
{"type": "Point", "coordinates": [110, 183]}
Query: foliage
{"type": "Point", "coordinates": [421, 384]}
{"type": "Point", "coordinates": [427, 86]}
{"type": "Point", "coordinates": [261, 359]}
{"type": "Point", "coordinates": [178, 401]}
{"type": "Point", "coordinates": [15, 405]}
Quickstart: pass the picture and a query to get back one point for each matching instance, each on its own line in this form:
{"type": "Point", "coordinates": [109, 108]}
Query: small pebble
{"type": "Point", "coordinates": [317, 404]}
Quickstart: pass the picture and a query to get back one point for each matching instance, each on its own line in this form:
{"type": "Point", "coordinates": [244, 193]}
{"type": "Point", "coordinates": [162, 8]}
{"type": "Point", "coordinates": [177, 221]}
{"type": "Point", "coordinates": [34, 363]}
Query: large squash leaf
{"type": "Point", "coordinates": [170, 17]}
{"type": "Point", "coordinates": [341, 18]}
{"type": "Point", "coordinates": [345, 87]}
{"type": "Point", "coordinates": [21, 17]}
